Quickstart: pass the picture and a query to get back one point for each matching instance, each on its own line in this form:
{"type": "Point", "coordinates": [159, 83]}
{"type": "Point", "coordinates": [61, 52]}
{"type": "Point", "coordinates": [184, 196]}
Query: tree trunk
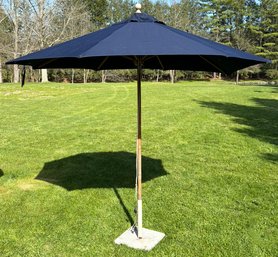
{"type": "Point", "coordinates": [1, 79]}
{"type": "Point", "coordinates": [44, 75]}
{"type": "Point", "coordinates": [16, 69]}
{"type": "Point", "coordinates": [16, 73]}
{"type": "Point", "coordinates": [103, 76]}
{"type": "Point", "coordinates": [85, 76]}
{"type": "Point", "coordinates": [157, 75]}
{"type": "Point", "coordinates": [32, 76]}
{"type": "Point", "coordinates": [214, 75]}
{"type": "Point", "coordinates": [72, 76]}
{"type": "Point", "coordinates": [172, 76]}
{"type": "Point", "coordinates": [41, 14]}
{"type": "Point", "coordinates": [220, 75]}
{"type": "Point", "coordinates": [237, 77]}
{"type": "Point", "coordinates": [16, 32]}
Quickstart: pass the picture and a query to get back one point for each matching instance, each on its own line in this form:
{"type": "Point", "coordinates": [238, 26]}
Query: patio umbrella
{"type": "Point", "coordinates": [138, 42]}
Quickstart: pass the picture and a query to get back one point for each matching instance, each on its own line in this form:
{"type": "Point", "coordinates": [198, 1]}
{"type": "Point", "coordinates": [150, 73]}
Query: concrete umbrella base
{"type": "Point", "coordinates": [148, 241]}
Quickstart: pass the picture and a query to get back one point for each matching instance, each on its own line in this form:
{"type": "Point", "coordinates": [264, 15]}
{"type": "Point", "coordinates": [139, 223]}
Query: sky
{"type": "Point", "coordinates": [168, 1]}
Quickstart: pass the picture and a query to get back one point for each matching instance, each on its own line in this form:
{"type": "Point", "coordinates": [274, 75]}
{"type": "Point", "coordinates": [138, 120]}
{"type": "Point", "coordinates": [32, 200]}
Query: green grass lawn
{"type": "Point", "coordinates": [67, 168]}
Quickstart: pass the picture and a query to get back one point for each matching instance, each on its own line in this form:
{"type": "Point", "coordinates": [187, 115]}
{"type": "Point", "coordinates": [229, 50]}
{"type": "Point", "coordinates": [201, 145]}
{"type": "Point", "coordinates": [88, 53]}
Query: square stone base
{"type": "Point", "coordinates": [148, 241]}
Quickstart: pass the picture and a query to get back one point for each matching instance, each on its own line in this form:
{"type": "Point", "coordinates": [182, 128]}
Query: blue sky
{"type": "Point", "coordinates": [168, 1]}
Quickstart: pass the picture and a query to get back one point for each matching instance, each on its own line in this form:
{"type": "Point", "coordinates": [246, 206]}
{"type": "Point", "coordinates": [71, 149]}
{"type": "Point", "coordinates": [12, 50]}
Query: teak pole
{"type": "Point", "coordinates": [139, 152]}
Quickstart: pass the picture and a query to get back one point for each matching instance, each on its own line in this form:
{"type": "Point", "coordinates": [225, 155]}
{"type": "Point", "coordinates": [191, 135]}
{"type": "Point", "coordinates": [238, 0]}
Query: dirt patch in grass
{"type": "Point", "coordinates": [26, 186]}
{"type": "Point", "coordinates": [3, 190]}
{"type": "Point", "coordinates": [12, 93]}
{"type": "Point", "coordinates": [29, 185]}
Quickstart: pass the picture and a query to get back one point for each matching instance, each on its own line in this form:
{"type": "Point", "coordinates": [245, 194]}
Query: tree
{"type": "Point", "coordinates": [269, 36]}
{"type": "Point", "coordinates": [70, 19]}
{"type": "Point", "coordinates": [5, 39]}
{"type": "Point", "coordinates": [12, 11]}
{"type": "Point", "coordinates": [98, 12]}
{"type": "Point", "coordinates": [182, 15]}
{"type": "Point", "coordinates": [50, 22]}
{"type": "Point", "coordinates": [118, 10]}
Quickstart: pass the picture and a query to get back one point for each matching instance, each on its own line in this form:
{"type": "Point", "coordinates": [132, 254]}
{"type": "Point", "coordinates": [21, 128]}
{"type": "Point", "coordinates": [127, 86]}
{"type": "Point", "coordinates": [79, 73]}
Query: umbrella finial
{"type": "Point", "coordinates": [138, 8]}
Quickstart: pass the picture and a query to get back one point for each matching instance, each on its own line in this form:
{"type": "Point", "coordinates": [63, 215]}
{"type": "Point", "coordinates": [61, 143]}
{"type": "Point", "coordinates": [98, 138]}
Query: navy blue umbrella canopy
{"type": "Point", "coordinates": [158, 45]}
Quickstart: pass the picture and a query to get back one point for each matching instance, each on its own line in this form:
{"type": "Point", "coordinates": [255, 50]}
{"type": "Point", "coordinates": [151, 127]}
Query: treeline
{"type": "Point", "coordinates": [30, 25]}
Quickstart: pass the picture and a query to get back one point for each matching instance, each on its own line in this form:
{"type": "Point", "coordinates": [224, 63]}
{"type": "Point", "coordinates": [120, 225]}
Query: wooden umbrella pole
{"type": "Point", "coordinates": [139, 153]}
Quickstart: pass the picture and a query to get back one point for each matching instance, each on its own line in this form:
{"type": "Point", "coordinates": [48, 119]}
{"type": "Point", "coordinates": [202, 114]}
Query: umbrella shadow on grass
{"type": "Point", "coordinates": [100, 170]}
{"type": "Point", "coordinates": [261, 120]}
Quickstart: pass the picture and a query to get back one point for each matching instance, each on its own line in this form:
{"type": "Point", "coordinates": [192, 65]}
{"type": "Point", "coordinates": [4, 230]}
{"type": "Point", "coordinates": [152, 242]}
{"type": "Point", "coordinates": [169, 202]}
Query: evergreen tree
{"type": "Point", "coordinates": [98, 12]}
{"type": "Point", "coordinates": [269, 36]}
{"type": "Point", "coordinates": [119, 10]}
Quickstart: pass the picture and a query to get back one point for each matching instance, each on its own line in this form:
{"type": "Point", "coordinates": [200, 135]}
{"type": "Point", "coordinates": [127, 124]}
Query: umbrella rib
{"type": "Point", "coordinates": [102, 63]}
{"type": "Point", "coordinates": [129, 58]}
{"type": "Point", "coordinates": [146, 58]}
{"type": "Point", "coordinates": [160, 62]}
{"type": "Point", "coordinates": [84, 54]}
{"type": "Point", "coordinates": [209, 62]}
{"type": "Point", "coordinates": [45, 63]}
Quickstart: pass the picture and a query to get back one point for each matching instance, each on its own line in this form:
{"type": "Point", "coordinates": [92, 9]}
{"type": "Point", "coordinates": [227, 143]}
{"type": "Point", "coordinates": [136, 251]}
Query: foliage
{"type": "Point", "coordinates": [249, 25]}
{"type": "Point", "coordinates": [272, 74]}
{"type": "Point", "coordinates": [5, 29]}
{"type": "Point", "coordinates": [264, 33]}
{"type": "Point", "coordinates": [98, 12]}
